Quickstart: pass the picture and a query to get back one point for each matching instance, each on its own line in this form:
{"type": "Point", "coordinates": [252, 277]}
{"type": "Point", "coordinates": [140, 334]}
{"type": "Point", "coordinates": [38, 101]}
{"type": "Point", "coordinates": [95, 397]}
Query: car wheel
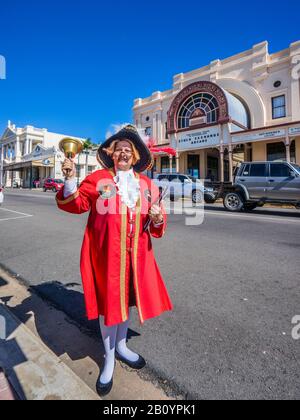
{"type": "Point", "coordinates": [233, 202]}
{"type": "Point", "coordinates": [197, 197]}
{"type": "Point", "coordinates": [54, 190]}
{"type": "Point", "coordinates": [209, 198]}
{"type": "Point", "coordinates": [250, 206]}
{"type": "Point", "coordinates": [45, 189]}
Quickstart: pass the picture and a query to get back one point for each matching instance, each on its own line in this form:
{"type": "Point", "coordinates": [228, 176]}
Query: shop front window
{"type": "Point", "coordinates": [194, 166]}
{"type": "Point", "coordinates": [276, 151]}
{"type": "Point", "coordinates": [165, 165]}
{"type": "Point", "coordinates": [212, 168]}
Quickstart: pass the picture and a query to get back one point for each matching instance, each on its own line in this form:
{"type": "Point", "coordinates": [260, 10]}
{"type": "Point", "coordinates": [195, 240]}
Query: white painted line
{"type": "Point", "coordinates": [15, 218]}
{"type": "Point", "coordinates": [278, 219]}
{"type": "Point", "coordinates": [48, 196]}
{"type": "Point", "coordinates": [22, 215]}
{"type": "Point", "coordinates": [16, 212]}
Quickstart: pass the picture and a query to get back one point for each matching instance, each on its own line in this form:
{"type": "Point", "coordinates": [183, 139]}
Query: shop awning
{"type": "Point", "coordinates": [163, 151]}
{"type": "Point", "coordinates": [45, 163]}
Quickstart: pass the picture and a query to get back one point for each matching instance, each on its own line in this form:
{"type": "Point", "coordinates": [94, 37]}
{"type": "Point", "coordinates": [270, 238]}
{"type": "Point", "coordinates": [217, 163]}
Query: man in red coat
{"type": "Point", "coordinates": [118, 266]}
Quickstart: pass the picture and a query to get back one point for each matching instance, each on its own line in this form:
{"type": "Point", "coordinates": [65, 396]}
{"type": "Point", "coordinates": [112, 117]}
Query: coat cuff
{"type": "Point", "coordinates": [61, 200]}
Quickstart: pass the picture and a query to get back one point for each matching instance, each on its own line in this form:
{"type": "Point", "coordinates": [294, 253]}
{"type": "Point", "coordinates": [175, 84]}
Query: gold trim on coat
{"type": "Point", "coordinates": [123, 262]}
{"type": "Point", "coordinates": [135, 255]}
{"type": "Point", "coordinates": [69, 199]}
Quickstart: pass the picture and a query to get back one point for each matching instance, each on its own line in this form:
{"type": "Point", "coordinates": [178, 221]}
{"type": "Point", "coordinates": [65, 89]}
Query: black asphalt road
{"type": "Point", "coordinates": [234, 282]}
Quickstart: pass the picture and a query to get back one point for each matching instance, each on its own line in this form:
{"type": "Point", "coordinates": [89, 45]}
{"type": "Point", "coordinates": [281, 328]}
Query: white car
{"type": "Point", "coordinates": [1, 196]}
{"type": "Point", "coordinates": [185, 186]}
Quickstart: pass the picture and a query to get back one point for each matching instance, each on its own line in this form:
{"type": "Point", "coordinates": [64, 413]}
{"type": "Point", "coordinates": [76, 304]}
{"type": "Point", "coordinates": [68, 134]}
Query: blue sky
{"type": "Point", "coordinates": [75, 67]}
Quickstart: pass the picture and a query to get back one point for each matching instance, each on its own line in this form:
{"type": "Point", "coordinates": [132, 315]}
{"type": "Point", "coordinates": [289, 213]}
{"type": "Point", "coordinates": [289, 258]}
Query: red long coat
{"type": "Point", "coordinates": [109, 247]}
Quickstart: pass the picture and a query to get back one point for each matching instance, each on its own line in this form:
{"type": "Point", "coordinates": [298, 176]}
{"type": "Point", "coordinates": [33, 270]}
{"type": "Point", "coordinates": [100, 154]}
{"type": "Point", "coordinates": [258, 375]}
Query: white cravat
{"type": "Point", "coordinates": [128, 187]}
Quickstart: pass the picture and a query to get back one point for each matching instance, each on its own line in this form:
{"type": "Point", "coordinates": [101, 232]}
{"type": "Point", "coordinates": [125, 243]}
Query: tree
{"type": "Point", "coordinates": [87, 146]}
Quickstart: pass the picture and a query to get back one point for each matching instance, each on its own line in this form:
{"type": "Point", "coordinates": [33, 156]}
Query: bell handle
{"type": "Point", "coordinates": [69, 156]}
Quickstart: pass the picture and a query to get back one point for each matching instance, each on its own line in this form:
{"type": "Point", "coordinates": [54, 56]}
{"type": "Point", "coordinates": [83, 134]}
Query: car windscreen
{"type": "Point", "coordinates": [297, 167]}
{"type": "Point", "coordinates": [58, 181]}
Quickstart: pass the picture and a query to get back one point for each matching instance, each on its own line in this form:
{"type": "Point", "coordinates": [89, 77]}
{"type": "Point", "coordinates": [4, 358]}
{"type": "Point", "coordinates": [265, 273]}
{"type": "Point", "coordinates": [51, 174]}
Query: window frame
{"type": "Point", "coordinates": [267, 170]}
{"type": "Point", "coordinates": [205, 101]}
{"type": "Point", "coordinates": [280, 164]}
{"type": "Point", "coordinates": [274, 108]}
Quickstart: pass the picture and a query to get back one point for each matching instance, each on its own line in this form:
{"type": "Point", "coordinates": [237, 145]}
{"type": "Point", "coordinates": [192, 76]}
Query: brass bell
{"type": "Point", "coordinates": [70, 147]}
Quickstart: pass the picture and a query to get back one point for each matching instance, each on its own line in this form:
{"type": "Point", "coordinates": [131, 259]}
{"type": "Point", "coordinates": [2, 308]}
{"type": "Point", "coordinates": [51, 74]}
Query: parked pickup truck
{"type": "Point", "coordinates": [258, 183]}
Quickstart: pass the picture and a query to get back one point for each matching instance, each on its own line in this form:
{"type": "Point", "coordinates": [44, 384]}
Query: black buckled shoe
{"type": "Point", "coordinates": [103, 389]}
{"type": "Point", "coordinates": [139, 364]}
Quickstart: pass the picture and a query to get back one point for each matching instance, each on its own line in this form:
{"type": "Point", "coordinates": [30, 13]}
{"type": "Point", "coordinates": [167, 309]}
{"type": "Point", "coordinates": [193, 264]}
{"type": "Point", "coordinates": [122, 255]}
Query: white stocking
{"type": "Point", "coordinates": [109, 342]}
{"type": "Point", "coordinates": [121, 345]}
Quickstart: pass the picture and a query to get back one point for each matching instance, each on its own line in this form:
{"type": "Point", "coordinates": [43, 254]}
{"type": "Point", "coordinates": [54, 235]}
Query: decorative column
{"type": "Point", "coordinates": [230, 153]}
{"type": "Point", "coordinates": [159, 134]}
{"type": "Point", "coordinates": [288, 149]}
{"type": "Point", "coordinates": [221, 176]}
{"type": "Point", "coordinates": [26, 151]}
{"type": "Point", "coordinates": [171, 163]}
{"type": "Point", "coordinates": [17, 147]}
{"type": "Point", "coordinates": [154, 127]}
{"type": "Point", "coordinates": [221, 153]}
{"type": "Point", "coordinates": [177, 162]}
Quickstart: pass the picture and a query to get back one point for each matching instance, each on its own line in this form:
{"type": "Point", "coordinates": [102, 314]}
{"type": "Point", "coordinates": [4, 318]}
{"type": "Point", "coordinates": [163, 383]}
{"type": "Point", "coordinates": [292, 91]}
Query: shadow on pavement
{"type": "Point", "coordinates": [55, 330]}
{"type": "Point", "coordinates": [11, 354]}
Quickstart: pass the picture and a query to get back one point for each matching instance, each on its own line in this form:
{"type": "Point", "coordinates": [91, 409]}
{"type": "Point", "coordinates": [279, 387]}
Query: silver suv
{"type": "Point", "coordinates": [257, 183]}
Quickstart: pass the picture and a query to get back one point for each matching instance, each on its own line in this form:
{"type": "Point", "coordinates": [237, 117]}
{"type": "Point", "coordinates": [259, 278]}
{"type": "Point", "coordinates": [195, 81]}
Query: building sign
{"type": "Point", "coordinates": [201, 139]}
{"type": "Point", "coordinates": [264, 135]}
{"type": "Point", "coordinates": [294, 131]}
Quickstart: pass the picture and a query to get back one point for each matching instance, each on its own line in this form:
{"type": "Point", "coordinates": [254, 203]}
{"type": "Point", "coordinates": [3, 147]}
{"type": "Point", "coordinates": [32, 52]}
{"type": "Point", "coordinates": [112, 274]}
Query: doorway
{"type": "Point", "coordinates": [193, 167]}
{"type": "Point", "coordinates": [212, 168]}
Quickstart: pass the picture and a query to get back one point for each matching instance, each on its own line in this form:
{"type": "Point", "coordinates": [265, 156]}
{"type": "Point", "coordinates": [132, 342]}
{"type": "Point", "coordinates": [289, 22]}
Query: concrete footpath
{"type": "Point", "coordinates": [32, 370]}
{"type": "Point", "coordinates": [46, 356]}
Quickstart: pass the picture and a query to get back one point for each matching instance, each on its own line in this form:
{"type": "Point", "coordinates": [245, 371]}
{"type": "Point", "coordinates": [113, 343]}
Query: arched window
{"type": "Point", "coordinates": [200, 105]}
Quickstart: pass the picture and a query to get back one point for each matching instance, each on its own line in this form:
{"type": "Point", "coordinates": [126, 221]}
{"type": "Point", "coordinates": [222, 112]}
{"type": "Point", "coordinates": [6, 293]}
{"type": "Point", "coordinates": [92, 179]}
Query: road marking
{"type": "Point", "coordinates": [31, 195]}
{"type": "Point", "coordinates": [23, 215]}
{"type": "Point", "coordinates": [256, 217]}
{"type": "Point", "coordinates": [279, 219]}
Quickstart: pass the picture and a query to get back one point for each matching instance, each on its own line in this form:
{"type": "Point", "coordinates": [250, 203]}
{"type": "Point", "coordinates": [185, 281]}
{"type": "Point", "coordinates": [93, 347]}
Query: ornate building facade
{"type": "Point", "coordinates": [243, 108]}
{"type": "Point", "coordinates": [29, 154]}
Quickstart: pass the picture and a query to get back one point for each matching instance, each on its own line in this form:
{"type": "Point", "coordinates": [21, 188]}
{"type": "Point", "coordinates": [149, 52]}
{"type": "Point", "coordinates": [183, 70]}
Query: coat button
{"type": "Point", "coordinates": [129, 249]}
{"type": "Point", "coordinates": [131, 222]}
{"type": "Point", "coordinates": [130, 235]}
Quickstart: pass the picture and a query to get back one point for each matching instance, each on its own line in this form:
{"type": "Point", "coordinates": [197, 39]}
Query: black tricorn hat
{"type": "Point", "coordinates": [128, 132]}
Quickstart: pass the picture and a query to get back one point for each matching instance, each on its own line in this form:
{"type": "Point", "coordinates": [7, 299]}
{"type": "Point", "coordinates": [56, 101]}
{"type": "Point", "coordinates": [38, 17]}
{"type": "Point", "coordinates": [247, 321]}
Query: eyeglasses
{"type": "Point", "coordinates": [127, 151]}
